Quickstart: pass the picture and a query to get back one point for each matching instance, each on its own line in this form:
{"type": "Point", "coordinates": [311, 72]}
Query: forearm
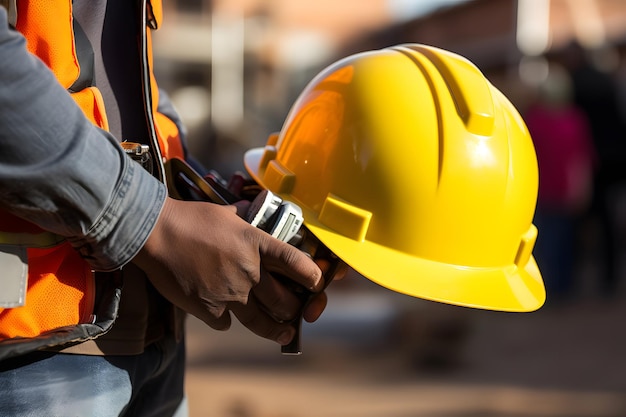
{"type": "Point", "coordinates": [60, 172]}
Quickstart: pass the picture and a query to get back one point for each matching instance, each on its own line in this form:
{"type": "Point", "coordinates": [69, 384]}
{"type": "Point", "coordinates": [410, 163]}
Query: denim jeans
{"type": "Point", "coordinates": [64, 385]}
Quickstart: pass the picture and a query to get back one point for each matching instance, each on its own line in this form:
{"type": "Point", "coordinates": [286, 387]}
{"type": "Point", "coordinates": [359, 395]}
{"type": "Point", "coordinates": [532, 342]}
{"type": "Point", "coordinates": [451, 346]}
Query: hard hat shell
{"type": "Point", "coordinates": [417, 172]}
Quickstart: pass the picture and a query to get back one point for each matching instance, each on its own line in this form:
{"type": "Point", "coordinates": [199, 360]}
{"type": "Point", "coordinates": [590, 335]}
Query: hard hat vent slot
{"type": "Point", "coordinates": [272, 139]}
{"type": "Point", "coordinates": [277, 178]}
{"type": "Point", "coordinates": [269, 154]}
{"type": "Point", "coordinates": [526, 247]}
{"type": "Point", "coordinates": [345, 218]}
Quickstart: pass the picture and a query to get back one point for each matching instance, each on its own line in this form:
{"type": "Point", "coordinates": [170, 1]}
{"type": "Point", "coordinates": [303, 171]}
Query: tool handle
{"type": "Point", "coordinates": [295, 346]}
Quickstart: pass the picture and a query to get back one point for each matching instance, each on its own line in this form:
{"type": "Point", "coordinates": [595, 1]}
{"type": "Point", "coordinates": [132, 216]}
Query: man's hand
{"type": "Point", "coordinates": [208, 261]}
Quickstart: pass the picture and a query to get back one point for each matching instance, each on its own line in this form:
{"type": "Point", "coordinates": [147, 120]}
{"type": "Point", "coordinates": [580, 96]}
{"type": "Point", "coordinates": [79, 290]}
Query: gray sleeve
{"type": "Point", "coordinates": [62, 173]}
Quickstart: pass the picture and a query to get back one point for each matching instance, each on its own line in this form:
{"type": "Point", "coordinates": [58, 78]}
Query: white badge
{"type": "Point", "coordinates": [13, 276]}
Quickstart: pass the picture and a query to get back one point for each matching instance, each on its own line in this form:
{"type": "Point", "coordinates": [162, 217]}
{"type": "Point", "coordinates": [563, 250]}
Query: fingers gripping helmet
{"type": "Point", "coordinates": [417, 172]}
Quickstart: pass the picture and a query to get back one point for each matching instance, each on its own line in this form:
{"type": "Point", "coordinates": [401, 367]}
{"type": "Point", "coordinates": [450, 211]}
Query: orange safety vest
{"type": "Point", "coordinates": [61, 285]}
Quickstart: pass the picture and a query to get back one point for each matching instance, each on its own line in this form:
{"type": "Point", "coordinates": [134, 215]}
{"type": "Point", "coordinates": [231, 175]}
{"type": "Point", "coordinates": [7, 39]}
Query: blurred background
{"type": "Point", "coordinates": [234, 67]}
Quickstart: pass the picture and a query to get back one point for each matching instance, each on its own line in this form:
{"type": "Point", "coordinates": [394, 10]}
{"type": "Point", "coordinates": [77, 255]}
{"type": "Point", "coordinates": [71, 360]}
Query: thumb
{"type": "Point", "coordinates": [284, 259]}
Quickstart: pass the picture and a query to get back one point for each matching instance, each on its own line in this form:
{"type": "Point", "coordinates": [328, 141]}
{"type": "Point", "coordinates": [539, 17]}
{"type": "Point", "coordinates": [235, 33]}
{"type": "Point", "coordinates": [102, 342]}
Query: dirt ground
{"type": "Point", "coordinates": [565, 360]}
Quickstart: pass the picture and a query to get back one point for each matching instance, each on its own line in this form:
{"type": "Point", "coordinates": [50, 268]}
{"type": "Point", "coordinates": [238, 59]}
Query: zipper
{"type": "Point", "coordinates": [159, 168]}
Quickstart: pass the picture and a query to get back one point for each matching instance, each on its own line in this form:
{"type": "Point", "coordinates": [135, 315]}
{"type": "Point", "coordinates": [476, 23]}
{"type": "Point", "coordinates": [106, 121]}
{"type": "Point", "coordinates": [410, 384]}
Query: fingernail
{"type": "Point", "coordinates": [317, 284]}
{"type": "Point", "coordinates": [284, 338]}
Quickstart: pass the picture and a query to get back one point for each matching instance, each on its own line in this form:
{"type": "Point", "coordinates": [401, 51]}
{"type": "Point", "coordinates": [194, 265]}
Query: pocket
{"type": "Point", "coordinates": [61, 292]}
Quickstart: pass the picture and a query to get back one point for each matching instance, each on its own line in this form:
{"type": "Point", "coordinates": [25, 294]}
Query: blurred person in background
{"type": "Point", "coordinates": [566, 158]}
{"type": "Point", "coordinates": [596, 93]}
{"type": "Point", "coordinates": [75, 80]}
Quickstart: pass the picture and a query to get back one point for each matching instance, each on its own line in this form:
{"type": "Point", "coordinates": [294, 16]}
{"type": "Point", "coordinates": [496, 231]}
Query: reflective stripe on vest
{"type": "Point", "coordinates": [39, 240]}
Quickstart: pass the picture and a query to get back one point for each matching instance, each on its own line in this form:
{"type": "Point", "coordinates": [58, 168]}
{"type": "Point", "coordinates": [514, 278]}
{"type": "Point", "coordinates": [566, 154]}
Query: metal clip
{"type": "Point", "coordinates": [140, 153]}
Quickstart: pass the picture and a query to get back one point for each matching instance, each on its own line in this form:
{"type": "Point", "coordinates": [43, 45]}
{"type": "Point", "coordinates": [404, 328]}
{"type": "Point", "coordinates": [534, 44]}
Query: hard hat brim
{"type": "Point", "coordinates": [502, 288]}
{"type": "Point", "coordinates": [507, 288]}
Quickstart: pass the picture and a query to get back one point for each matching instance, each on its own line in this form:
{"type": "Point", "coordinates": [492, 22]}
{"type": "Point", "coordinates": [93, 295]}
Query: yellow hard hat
{"type": "Point", "coordinates": [417, 172]}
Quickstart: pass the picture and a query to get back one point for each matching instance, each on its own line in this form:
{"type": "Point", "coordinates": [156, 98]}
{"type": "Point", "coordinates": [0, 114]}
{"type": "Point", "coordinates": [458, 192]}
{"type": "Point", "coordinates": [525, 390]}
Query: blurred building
{"type": "Point", "coordinates": [505, 38]}
{"type": "Point", "coordinates": [235, 66]}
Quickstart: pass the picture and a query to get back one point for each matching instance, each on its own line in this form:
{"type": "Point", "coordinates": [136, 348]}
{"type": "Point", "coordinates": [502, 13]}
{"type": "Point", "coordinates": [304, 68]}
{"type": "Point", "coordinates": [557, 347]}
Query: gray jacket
{"type": "Point", "coordinates": [60, 172]}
